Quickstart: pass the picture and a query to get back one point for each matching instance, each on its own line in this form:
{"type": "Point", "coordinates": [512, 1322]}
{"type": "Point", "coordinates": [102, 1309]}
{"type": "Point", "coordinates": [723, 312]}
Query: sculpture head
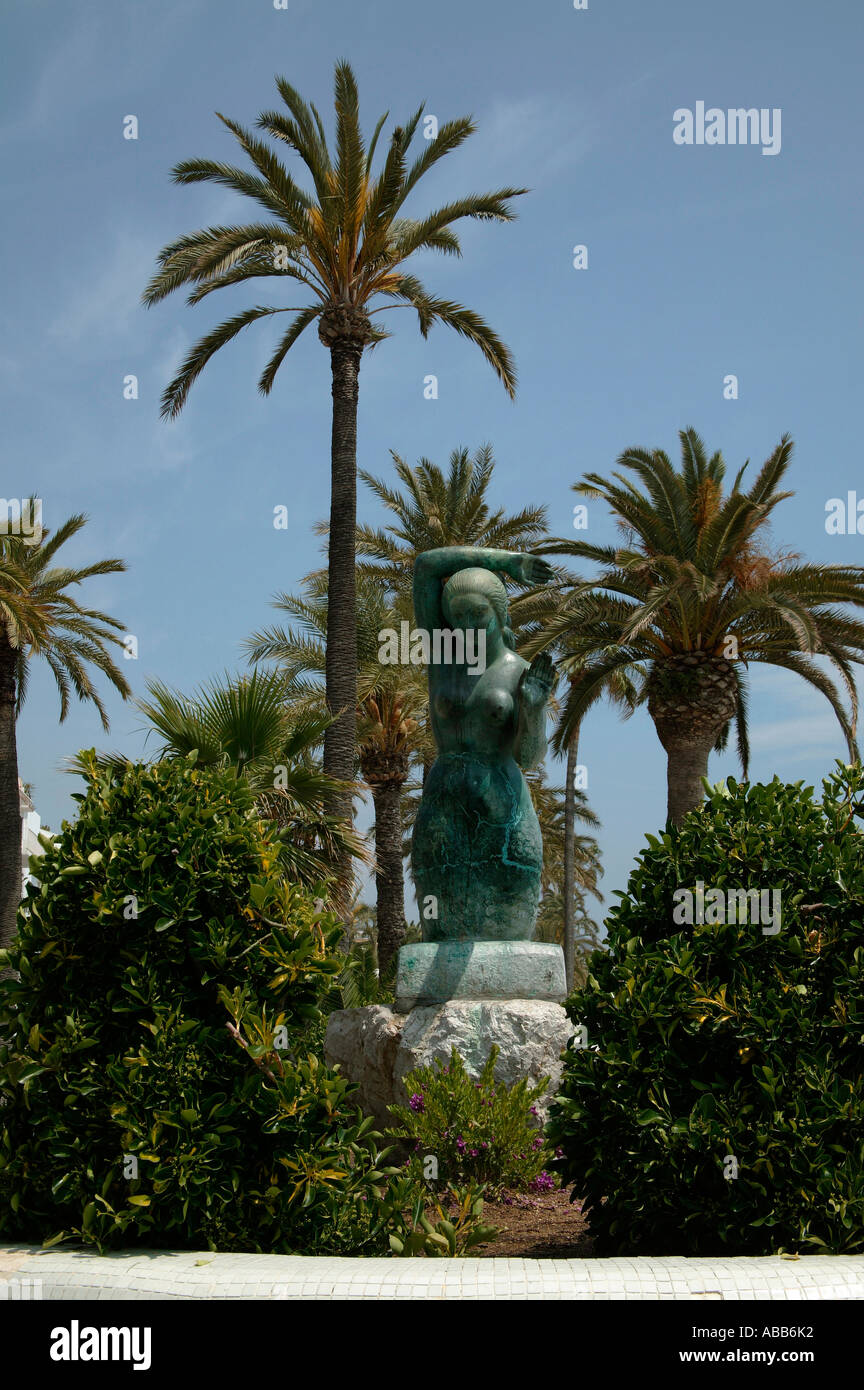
{"type": "Point", "coordinates": [475, 599]}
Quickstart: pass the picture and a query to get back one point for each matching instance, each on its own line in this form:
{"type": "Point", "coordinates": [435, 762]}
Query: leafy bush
{"type": "Point", "coordinates": [478, 1131]}
{"type": "Point", "coordinates": [155, 1083]}
{"type": "Point", "coordinates": [457, 1230]}
{"type": "Point", "coordinates": [717, 1102]}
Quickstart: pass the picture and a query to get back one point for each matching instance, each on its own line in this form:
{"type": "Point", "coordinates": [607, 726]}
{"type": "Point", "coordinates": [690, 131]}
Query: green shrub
{"type": "Point", "coordinates": [716, 1102]}
{"type": "Point", "coordinates": [155, 1081]}
{"type": "Point", "coordinates": [477, 1131]}
{"type": "Point", "coordinates": [457, 1227]}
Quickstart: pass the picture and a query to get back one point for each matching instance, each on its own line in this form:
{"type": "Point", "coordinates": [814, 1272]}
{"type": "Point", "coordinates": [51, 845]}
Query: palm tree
{"type": "Point", "coordinates": [692, 598]}
{"type": "Point", "coordinates": [391, 703]}
{"type": "Point", "coordinates": [38, 618]}
{"type": "Point", "coordinates": [571, 870]}
{"type": "Point", "coordinates": [346, 243]}
{"type": "Point", "coordinates": [435, 510]}
{"type": "Point", "coordinates": [248, 722]}
{"type": "Point", "coordinates": [388, 739]}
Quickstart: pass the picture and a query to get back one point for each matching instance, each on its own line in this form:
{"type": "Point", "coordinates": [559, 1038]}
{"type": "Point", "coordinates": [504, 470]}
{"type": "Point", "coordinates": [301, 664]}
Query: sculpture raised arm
{"type": "Point", "coordinates": [432, 566]}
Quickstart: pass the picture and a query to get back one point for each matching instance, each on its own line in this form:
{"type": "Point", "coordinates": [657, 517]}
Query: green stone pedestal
{"type": "Point", "coordinates": [433, 972]}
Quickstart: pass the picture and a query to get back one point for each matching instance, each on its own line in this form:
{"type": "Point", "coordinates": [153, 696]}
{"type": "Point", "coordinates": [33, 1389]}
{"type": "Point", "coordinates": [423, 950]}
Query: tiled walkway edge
{"type": "Point", "coordinates": [27, 1272]}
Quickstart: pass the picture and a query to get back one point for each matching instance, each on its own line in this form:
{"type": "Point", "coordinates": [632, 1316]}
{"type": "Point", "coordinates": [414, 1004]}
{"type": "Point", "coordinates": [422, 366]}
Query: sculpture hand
{"type": "Point", "coordinates": [537, 682]}
{"type": "Point", "coordinates": [532, 569]}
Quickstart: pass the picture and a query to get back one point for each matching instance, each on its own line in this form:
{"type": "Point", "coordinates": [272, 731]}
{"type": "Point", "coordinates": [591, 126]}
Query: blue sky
{"type": "Point", "coordinates": [702, 261]}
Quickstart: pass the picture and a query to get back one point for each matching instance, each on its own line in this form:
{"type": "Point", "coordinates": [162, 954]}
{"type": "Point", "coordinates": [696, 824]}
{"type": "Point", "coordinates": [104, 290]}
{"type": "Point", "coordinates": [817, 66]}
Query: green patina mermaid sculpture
{"type": "Point", "coordinates": [477, 850]}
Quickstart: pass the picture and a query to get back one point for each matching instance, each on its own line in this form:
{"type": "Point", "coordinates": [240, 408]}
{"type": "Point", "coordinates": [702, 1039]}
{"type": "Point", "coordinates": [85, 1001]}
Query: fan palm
{"type": "Point", "coordinates": [248, 722]}
{"type": "Point", "coordinates": [692, 598]}
{"type": "Point", "coordinates": [39, 618]}
{"type": "Point", "coordinates": [346, 243]}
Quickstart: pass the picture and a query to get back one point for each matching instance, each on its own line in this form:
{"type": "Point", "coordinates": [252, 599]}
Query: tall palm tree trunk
{"type": "Point", "coordinates": [341, 659]}
{"type": "Point", "coordinates": [10, 806]}
{"type": "Point", "coordinates": [686, 765]}
{"type": "Point", "coordinates": [691, 697]}
{"type": "Point", "coordinates": [390, 899]}
{"type": "Point", "coordinates": [570, 860]}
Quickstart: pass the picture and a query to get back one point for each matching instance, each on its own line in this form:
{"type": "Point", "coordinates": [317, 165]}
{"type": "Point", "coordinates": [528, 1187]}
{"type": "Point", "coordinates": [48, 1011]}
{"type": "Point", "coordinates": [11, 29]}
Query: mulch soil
{"type": "Point", "coordinates": [545, 1225]}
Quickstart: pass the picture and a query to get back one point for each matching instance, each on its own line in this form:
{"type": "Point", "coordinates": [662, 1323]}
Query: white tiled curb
{"type": "Point", "coordinates": [29, 1272]}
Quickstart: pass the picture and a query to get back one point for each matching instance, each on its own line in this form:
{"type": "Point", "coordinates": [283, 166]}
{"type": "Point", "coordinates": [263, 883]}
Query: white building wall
{"type": "Point", "coordinates": [31, 825]}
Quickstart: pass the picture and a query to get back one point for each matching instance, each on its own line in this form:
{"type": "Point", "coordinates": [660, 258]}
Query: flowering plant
{"type": "Point", "coordinates": [475, 1130]}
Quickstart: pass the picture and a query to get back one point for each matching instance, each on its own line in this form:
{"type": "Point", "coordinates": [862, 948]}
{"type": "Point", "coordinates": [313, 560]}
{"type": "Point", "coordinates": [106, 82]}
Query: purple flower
{"type": "Point", "coordinates": [460, 1144]}
{"type": "Point", "coordinates": [543, 1182]}
{"type": "Point", "coordinates": [417, 1104]}
{"type": "Point", "coordinates": [473, 1153]}
{"type": "Point", "coordinates": [537, 1143]}
{"type": "Point", "coordinates": [533, 1111]}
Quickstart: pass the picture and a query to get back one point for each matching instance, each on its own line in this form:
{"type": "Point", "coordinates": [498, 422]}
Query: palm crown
{"type": "Point", "coordinates": [41, 619]}
{"type": "Point", "coordinates": [437, 509]}
{"type": "Point", "coordinates": [346, 241]}
{"type": "Point", "coordinates": [692, 589]}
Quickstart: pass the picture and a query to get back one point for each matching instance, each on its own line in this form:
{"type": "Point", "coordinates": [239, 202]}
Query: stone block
{"type": "Point", "coordinates": [377, 1048]}
{"type": "Point", "coordinates": [434, 972]}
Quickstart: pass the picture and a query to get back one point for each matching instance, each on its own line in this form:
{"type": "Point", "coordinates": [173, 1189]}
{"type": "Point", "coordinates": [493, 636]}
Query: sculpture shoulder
{"type": "Point", "coordinates": [512, 665]}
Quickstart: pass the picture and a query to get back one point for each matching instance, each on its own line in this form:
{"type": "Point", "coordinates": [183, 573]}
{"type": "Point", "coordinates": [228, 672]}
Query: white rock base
{"type": "Point", "coordinates": [377, 1048]}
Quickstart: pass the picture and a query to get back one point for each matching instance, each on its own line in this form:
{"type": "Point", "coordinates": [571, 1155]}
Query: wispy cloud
{"type": "Point", "coordinates": [806, 726]}
{"type": "Point", "coordinates": [71, 60]}
{"type": "Point", "coordinates": [541, 135]}
{"type": "Point", "coordinates": [91, 61]}
{"type": "Point", "coordinates": [798, 741]}
{"type": "Point", "coordinates": [104, 299]}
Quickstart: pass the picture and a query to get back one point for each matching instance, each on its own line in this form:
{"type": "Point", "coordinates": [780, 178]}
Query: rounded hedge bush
{"type": "Point", "coordinates": [153, 1082]}
{"type": "Point", "coordinates": [714, 1101]}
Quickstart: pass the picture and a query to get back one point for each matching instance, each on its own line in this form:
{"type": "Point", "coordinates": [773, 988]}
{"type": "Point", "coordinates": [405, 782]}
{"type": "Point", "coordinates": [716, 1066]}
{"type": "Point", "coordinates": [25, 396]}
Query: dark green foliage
{"type": "Point", "coordinates": [168, 977]}
{"type": "Point", "coordinates": [478, 1131]}
{"type": "Point", "coordinates": [360, 981]}
{"type": "Point", "coordinates": [708, 1042]}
